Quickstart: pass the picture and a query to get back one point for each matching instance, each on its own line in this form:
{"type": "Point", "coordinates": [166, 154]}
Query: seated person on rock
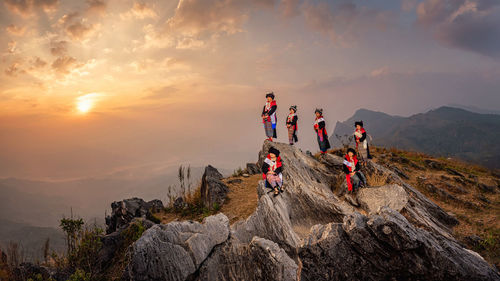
{"type": "Point", "coordinates": [354, 177]}
{"type": "Point", "coordinates": [271, 170]}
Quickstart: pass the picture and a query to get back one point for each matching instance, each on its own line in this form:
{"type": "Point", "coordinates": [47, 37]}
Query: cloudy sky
{"type": "Point", "coordinates": [88, 87]}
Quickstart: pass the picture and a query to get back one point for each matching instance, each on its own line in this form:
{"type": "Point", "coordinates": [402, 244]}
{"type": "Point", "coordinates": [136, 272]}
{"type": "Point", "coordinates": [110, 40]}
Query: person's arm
{"type": "Point", "coordinates": [357, 166]}
{"type": "Point", "coordinates": [294, 120]}
{"type": "Point", "coordinates": [265, 168]}
{"type": "Point", "coordinates": [346, 169]}
{"type": "Point", "coordinates": [363, 137]}
{"type": "Point", "coordinates": [278, 170]}
{"type": "Point", "coordinates": [272, 110]}
{"type": "Point", "coordinates": [264, 110]}
{"type": "Point", "coordinates": [321, 124]}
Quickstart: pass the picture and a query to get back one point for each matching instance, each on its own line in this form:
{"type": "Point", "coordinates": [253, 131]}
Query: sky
{"type": "Point", "coordinates": [96, 86]}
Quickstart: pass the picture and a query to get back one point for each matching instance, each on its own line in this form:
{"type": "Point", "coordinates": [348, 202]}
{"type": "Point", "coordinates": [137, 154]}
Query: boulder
{"type": "Point", "coordinates": [252, 169]}
{"type": "Point", "coordinates": [213, 190]}
{"type": "Point", "coordinates": [176, 250]}
{"type": "Point", "coordinates": [123, 212]}
{"type": "Point", "coordinates": [386, 247]}
{"type": "Point", "coordinates": [261, 259]}
{"type": "Point", "coordinates": [393, 196]}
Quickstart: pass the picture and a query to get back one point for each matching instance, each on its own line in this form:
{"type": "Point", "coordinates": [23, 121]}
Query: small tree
{"type": "Point", "coordinates": [72, 228]}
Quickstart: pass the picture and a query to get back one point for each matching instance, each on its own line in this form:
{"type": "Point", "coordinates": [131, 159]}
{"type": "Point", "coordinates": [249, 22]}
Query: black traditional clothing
{"type": "Point", "coordinates": [269, 118]}
{"type": "Point", "coordinates": [362, 142]}
{"type": "Point", "coordinates": [319, 127]}
{"type": "Point", "coordinates": [291, 123]}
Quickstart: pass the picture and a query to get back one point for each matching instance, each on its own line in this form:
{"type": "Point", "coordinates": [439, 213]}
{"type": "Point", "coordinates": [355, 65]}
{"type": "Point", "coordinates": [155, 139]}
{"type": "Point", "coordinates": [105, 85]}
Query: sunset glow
{"type": "Point", "coordinates": [147, 70]}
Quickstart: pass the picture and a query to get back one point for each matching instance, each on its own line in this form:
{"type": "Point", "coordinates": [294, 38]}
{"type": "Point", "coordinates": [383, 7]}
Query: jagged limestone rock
{"type": "Point", "coordinates": [176, 250]}
{"type": "Point", "coordinates": [393, 195]}
{"type": "Point", "coordinates": [213, 190]}
{"type": "Point", "coordinates": [261, 259]}
{"type": "Point", "coordinates": [386, 247]}
{"type": "Point", "coordinates": [123, 212]}
{"type": "Point", "coordinates": [311, 230]}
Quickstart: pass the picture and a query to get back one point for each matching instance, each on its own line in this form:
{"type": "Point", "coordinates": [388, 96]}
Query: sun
{"type": "Point", "coordinates": [84, 106]}
{"type": "Point", "coordinates": [86, 103]}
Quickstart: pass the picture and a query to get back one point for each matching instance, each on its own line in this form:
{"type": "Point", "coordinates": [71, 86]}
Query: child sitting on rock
{"type": "Point", "coordinates": [354, 177]}
{"type": "Point", "coordinates": [271, 170]}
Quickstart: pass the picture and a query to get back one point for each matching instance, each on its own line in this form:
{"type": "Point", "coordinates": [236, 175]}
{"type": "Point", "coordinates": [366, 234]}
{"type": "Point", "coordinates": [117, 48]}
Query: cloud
{"type": "Point", "coordinates": [58, 48]}
{"type": "Point", "coordinates": [189, 43]}
{"type": "Point", "coordinates": [379, 72]}
{"type": "Point", "coordinates": [96, 7]}
{"type": "Point", "coordinates": [471, 25]}
{"type": "Point", "coordinates": [12, 47]}
{"type": "Point", "coordinates": [344, 22]}
{"type": "Point", "coordinates": [28, 7]}
{"type": "Point", "coordinates": [15, 30]}
{"type": "Point", "coordinates": [162, 93]}
{"type": "Point", "coordinates": [13, 69]}
{"type": "Point", "coordinates": [64, 64]}
{"type": "Point", "coordinates": [290, 8]}
{"type": "Point", "coordinates": [80, 30]}
{"type": "Point", "coordinates": [38, 63]}
{"type": "Point", "coordinates": [195, 16]}
{"type": "Point", "coordinates": [139, 11]}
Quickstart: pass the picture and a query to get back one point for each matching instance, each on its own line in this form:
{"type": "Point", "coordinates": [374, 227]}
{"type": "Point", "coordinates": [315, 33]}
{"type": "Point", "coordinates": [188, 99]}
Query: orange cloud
{"type": "Point", "coordinates": [58, 48]}
{"type": "Point", "coordinates": [96, 7]}
{"type": "Point", "coordinates": [28, 7]}
{"type": "Point", "coordinates": [139, 11]}
{"type": "Point", "coordinates": [15, 30]}
{"type": "Point", "coordinates": [64, 64]}
{"type": "Point", "coordinates": [80, 30]}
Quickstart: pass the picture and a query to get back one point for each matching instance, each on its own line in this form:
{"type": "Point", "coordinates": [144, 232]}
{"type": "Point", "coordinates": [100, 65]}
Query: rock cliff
{"type": "Point", "coordinates": [314, 231]}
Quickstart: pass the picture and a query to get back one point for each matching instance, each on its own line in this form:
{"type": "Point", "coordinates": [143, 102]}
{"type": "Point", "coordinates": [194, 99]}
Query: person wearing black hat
{"type": "Point", "coordinates": [319, 127]}
{"type": "Point", "coordinates": [291, 124]}
{"type": "Point", "coordinates": [269, 116]}
{"type": "Point", "coordinates": [272, 170]}
{"type": "Point", "coordinates": [361, 141]}
{"type": "Point", "coordinates": [354, 177]}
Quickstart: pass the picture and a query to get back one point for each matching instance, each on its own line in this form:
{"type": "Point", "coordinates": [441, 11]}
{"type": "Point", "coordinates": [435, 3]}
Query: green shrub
{"type": "Point", "coordinates": [80, 275]}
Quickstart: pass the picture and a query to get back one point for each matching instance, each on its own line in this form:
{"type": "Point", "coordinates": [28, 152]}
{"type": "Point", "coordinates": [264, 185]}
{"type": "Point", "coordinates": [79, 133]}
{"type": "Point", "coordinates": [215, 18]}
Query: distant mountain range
{"type": "Point", "coordinates": [446, 131]}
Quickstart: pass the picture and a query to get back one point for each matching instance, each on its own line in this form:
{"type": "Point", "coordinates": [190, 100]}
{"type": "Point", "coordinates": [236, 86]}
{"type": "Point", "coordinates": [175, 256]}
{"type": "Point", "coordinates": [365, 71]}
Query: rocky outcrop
{"type": "Point", "coordinates": [123, 212]}
{"type": "Point", "coordinates": [386, 247]}
{"type": "Point", "coordinates": [393, 196]}
{"type": "Point", "coordinates": [176, 250]}
{"type": "Point", "coordinates": [312, 231]}
{"type": "Point", "coordinates": [261, 259]}
{"type": "Point", "coordinates": [252, 169]}
{"type": "Point", "coordinates": [213, 190]}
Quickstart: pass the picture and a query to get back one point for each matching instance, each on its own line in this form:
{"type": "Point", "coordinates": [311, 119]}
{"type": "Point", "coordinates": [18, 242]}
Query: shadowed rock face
{"type": "Point", "coordinates": [310, 232]}
{"type": "Point", "coordinates": [123, 212]}
{"type": "Point", "coordinates": [213, 190]}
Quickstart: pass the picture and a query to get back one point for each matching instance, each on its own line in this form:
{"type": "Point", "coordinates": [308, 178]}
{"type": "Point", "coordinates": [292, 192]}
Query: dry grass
{"type": "Point", "coordinates": [241, 202]}
{"type": "Point", "coordinates": [476, 216]}
{"type": "Point", "coordinates": [377, 179]}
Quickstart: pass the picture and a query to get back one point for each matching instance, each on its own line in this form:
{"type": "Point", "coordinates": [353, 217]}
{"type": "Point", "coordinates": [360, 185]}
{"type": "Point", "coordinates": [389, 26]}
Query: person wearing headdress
{"type": "Point", "coordinates": [354, 177]}
{"type": "Point", "coordinates": [319, 127]}
{"type": "Point", "coordinates": [361, 141]}
{"type": "Point", "coordinates": [291, 124]}
{"type": "Point", "coordinates": [269, 116]}
{"type": "Point", "coordinates": [272, 170]}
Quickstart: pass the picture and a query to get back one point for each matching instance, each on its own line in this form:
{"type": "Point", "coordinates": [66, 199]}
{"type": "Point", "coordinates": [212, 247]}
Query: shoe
{"type": "Point", "coordinates": [276, 191]}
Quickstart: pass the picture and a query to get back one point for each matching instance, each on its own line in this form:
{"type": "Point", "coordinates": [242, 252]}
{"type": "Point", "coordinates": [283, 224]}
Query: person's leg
{"type": "Point", "coordinates": [362, 177]}
{"type": "Point", "coordinates": [274, 182]}
{"type": "Point", "coordinates": [354, 181]}
{"type": "Point", "coordinates": [290, 136]}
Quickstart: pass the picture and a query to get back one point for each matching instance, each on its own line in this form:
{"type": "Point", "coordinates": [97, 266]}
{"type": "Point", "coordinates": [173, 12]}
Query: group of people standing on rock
{"type": "Point", "coordinates": [269, 120]}
{"type": "Point", "coordinates": [272, 166]}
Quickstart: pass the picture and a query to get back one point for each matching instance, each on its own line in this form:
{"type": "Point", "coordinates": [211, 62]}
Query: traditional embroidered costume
{"type": "Point", "coordinates": [319, 127]}
{"type": "Point", "coordinates": [269, 117]}
{"type": "Point", "coordinates": [272, 170]}
{"type": "Point", "coordinates": [361, 141]}
{"type": "Point", "coordinates": [291, 124]}
{"type": "Point", "coordinates": [351, 165]}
